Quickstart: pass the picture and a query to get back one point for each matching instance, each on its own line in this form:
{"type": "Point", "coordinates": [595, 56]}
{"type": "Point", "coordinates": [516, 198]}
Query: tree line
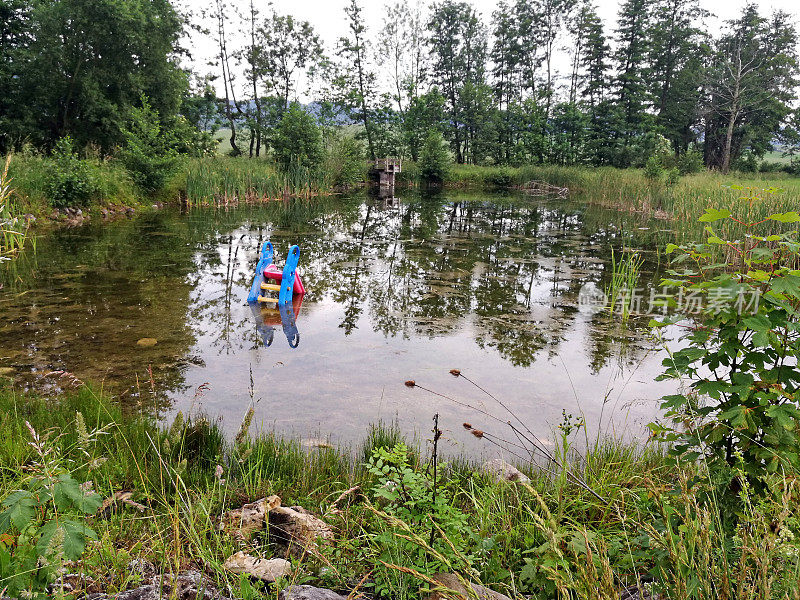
{"type": "Point", "coordinates": [657, 82]}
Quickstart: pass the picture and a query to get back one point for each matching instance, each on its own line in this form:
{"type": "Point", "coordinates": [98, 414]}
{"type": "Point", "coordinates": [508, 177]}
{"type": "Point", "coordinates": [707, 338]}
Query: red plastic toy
{"type": "Point", "coordinates": [276, 274]}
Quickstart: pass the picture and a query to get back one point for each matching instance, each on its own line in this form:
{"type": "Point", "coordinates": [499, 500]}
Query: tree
{"type": "Point", "coordinates": [594, 55]}
{"type": "Point", "coordinates": [252, 55]}
{"type": "Point", "coordinates": [425, 113]}
{"type": "Point", "coordinates": [200, 106]}
{"type": "Point", "coordinates": [434, 160]}
{"type": "Point", "coordinates": [553, 13]}
{"type": "Point", "coordinates": [225, 69]}
{"type": "Point", "coordinates": [751, 86]}
{"type": "Point", "coordinates": [401, 48]}
{"type": "Point", "coordinates": [458, 47]}
{"type": "Point", "coordinates": [148, 154]}
{"type": "Point", "coordinates": [15, 39]}
{"type": "Point", "coordinates": [506, 57]}
{"type": "Point", "coordinates": [75, 67]}
{"type": "Point", "coordinates": [632, 93]}
{"type": "Point", "coordinates": [355, 80]}
{"type": "Point", "coordinates": [288, 47]}
{"type": "Point", "coordinates": [676, 56]}
{"type": "Point", "coordinates": [297, 139]}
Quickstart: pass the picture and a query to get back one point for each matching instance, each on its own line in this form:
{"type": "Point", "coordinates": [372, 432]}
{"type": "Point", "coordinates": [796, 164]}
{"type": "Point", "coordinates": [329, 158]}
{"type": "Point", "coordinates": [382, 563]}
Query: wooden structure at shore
{"type": "Point", "coordinates": [385, 170]}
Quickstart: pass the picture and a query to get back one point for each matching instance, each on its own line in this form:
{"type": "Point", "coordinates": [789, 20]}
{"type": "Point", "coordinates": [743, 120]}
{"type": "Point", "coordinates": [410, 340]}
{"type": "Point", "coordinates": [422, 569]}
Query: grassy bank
{"type": "Point", "coordinates": [224, 181]}
{"type": "Point", "coordinates": [38, 185]}
{"type": "Point", "coordinates": [631, 189]}
{"type": "Point", "coordinates": [630, 521]}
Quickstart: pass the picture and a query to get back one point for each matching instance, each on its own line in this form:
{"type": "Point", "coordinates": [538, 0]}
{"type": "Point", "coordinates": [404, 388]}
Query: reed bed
{"type": "Point", "coordinates": [625, 270]}
{"type": "Point", "coordinates": [754, 196]}
{"type": "Point", "coordinates": [227, 181]}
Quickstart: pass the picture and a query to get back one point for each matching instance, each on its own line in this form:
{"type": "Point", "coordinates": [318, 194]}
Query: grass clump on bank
{"type": "Point", "coordinates": [679, 198]}
{"type": "Point", "coordinates": [545, 538]}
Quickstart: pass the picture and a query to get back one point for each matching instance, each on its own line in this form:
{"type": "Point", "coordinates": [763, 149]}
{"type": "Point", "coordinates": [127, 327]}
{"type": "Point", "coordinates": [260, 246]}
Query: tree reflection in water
{"type": "Point", "coordinates": [501, 271]}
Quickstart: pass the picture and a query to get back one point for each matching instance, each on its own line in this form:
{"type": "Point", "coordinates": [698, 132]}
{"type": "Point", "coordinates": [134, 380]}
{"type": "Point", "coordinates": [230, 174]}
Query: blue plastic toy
{"type": "Point", "coordinates": [264, 261]}
{"type": "Point", "coordinates": [268, 278]}
{"type": "Point", "coordinates": [289, 273]}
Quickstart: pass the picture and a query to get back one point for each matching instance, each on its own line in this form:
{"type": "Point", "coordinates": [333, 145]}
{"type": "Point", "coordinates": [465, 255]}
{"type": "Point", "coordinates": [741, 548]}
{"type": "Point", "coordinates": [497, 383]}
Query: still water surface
{"type": "Point", "coordinates": [396, 291]}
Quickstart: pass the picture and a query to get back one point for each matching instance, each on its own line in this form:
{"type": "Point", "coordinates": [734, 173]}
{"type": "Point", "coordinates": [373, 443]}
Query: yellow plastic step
{"type": "Point", "coordinates": [270, 286]}
{"type": "Point", "coordinates": [266, 299]}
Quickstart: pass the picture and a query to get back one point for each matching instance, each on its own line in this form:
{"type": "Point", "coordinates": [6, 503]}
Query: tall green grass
{"type": "Point", "coordinates": [109, 181]}
{"type": "Point", "coordinates": [223, 181]}
{"type": "Point", "coordinates": [754, 196]}
{"type": "Point", "coordinates": [625, 270]}
{"type": "Point", "coordinates": [13, 230]}
{"type": "Point", "coordinates": [544, 539]}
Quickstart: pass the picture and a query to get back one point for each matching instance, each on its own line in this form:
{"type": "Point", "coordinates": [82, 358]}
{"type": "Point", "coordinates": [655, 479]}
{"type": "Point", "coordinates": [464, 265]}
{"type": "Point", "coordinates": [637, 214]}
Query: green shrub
{"type": "Point", "coordinates": [672, 177]}
{"type": "Point", "coordinates": [41, 525]}
{"type": "Point", "coordinates": [502, 177]}
{"type": "Point", "coordinates": [70, 181]}
{"type": "Point", "coordinates": [653, 169]}
{"type": "Point", "coordinates": [419, 522]}
{"type": "Point", "coordinates": [149, 154]}
{"type": "Point", "coordinates": [344, 162]}
{"type": "Point", "coordinates": [742, 408]}
{"type": "Point", "coordinates": [434, 160]}
{"type": "Point", "coordinates": [690, 162]}
{"type": "Point", "coordinates": [297, 139]}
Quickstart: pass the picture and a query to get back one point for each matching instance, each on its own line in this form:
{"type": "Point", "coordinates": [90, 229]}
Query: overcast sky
{"type": "Point", "coordinates": [328, 19]}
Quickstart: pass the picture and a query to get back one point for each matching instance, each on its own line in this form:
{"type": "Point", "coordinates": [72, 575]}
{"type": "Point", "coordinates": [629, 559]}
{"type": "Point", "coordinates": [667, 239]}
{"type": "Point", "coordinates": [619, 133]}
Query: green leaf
{"type": "Point", "coordinates": [788, 217]}
{"type": "Point", "coordinates": [20, 510]}
{"type": "Point", "coordinates": [758, 323]}
{"type": "Point", "coordinates": [783, 417]}
{"type": "Point", "coordinates": [713, 214]}
{"type": "Point", "coordinates": [68, 491]}
{"type": "Point", "coordinates": [671, 248]}
{"type": "Point", "coordinates": [70, 537]}
{"type": "Point", "coordinates": [788, 284]}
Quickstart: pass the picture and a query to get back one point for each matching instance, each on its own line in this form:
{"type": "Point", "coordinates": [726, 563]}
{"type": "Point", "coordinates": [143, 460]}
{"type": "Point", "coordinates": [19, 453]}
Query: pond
{"type": "Point", "coordinates": [153, 309]}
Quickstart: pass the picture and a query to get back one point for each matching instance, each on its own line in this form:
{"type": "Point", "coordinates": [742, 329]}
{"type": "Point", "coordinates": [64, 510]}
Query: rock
{"type": "Point", "coordinates": [315, 443]}
{"type": "Point", "coordinates": [129, 211]}
{"type": "Point", "coordinates": [147, 342]}
{"type": "Point", "coordinates": [78, 212]}
{"type": "Point", "coordinates": [250, 518]}
{"type": "Point", "coordinates": [298, 529]}
{"type": "Point", "coordinates": [449, 581]}
{"type": "Point", "coordinates": [7, 371]}
{"type": "Point", "coordinates": [308, 592]}
{"type": "Point", "coordinates": [188, 586]}
{"type": "Point", "coordinates": [104, 213]}
{"type": "Point", "coordinates": [294, 527]}
{"type": "Point", "coordinates": [502, 471]}
{"type": "Point", "coordinates": [265, 569]}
